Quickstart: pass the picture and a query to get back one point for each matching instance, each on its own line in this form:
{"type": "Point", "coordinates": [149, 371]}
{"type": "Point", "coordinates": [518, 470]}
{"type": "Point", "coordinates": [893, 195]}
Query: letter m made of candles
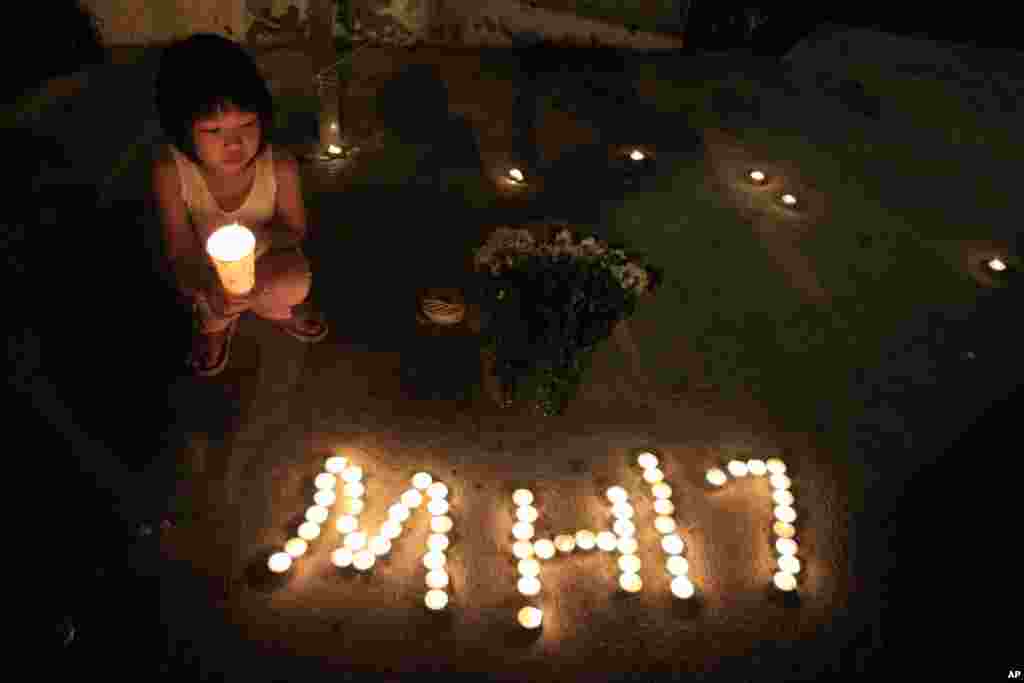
{"type": "Point", "coordinates": [620, 539]}
{"type": "Point", "coordinates": [359, 550]}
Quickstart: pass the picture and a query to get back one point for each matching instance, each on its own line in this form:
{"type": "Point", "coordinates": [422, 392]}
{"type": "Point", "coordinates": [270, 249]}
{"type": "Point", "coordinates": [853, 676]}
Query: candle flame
{"type": "Point", "coordinates": [334, 149]}
{"type": "Point", "coordinates": [789, 199]}
{"type": "Point", "coordinates": [231, 242]}
{"type": "Point", "coordinates": [757, 176]}
{"type": "Point", "coordinates": [997, 265]}
{"type": "Point", "coordinates": [516, 175]}
{"type": "Point", "coordinates": [636, 155]}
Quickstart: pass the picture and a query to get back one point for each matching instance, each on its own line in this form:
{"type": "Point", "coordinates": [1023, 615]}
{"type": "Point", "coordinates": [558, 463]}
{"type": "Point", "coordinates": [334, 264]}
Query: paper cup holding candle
{"type": "Point", "coordinates": [232, 249]}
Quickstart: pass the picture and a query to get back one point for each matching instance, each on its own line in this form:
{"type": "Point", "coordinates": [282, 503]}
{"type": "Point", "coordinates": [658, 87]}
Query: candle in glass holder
{"type": "Point", "coordinates": [232, 249]}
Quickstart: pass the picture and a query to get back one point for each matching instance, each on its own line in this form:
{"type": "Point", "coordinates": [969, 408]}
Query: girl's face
{"type": "Point", "coordinates": [226, 142]}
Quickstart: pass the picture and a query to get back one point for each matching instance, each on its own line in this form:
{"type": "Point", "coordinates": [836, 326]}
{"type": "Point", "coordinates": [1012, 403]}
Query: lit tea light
{"type": "Point", "coordinates": [607, 541]}
{"type": "Point", "coordinates": [775, 466]}
{"type": "Point", "coordinates": [716, 477]}
{"type": "Point", "coordinates": [664, 506]}
{"type": "Point", "coordinates": [527, 513]}
{"type": "Point", "coordinates": [737, 468]}
{"type": "Point", "coordinates": [564, 542]}
{"type": "Point", "coordinates": [437, 491]}
{"type": "Point", "coordinates": [352, 474]}
{"type": "Point", "coordinates": [523, 531]}
{"type": "Point", "coordinates": [529, 567]}
{"type": "Point", "coordinates": [627, 545]}
{"type": "Point", "coordinates": [522, 497]}
{"type": "Point", "coordinates": [333, 150]}
{"type": "Point", "coordinates": [785, 513]}
{"type": "Point", "coordinates": [782, 497]}
{"type": "Point", "coordinates": [392, 529]}
{"type": "Point", "coordinates": [653, 475]}
{"type": "Point", "coordinates": [325, 480]}
{"type": "Point", "coordinates": [441, 525]}
{"type": "Point", "coordinates": [622, 511]}
{"type": "Point", "coordinates": [677, 565]}
{"type": "Point", "coordinates": [309, 530]}
{"type": "Point", "coordinates": [997, 265]}
{"type": "Point", "coordinates": [317, 514]}
{"type": "Point", "coordinates": [528, 585]}
{"type": "Point", "coordinates": [522, 549]}
{"type": "Point", "coordinates": [346, 524]}
{"type": "Point", "coordinates": [353, 506]}
{"type": "Point", "coordinates": [437, 578]}
{"type": "Point", "coordinates": [437, 507]}
{"type": "Point", "coordinates": [672, 544]}
{"type": "Point", "coordinates": [661, 490]}
{"type": "Point", "coordinates": [335, 464]}
{"type": "Point", "coordinates": [421, 480]}
{"type": "Point", "coordinates": [780, 481]}
{"type": "Point", "coordinates": [636, 155]}
{"type": "Point", "coordinates": [664, 525]}
{"type": "Point", "coordinates": [296, 547]}
{"type": "Point", "coordinates": [434, 559]}
{"type": "Point", "coordinates": [631, 583]}
{"type": "Point", "coordinates": [354, 489]}
{"type": "Point", "coordinates": [682, 587]}
{"type": "Point", "coordinates": [515, 175]}
{"type": "Point", "coordinates": [438, 542]}
{"type": "Point", "coordinates": [784, 581]}
{"type": "Point", "coordinates": [585, 539]}
{"type": "Point", "coordinates": [341, 557]}
{"type": "Point", "coordinates": [398, 512]}
{"type": "Point", "coordinates": [363, 559]}
{"type": "Point", "coordinates": [789, 564]}
{"type": "Point", "coordinates": [279, 562]}
{"type": "Point", "coordinates": [436, 599]}
{"type": "Point", "coordinates": [788, 200]}
{"type": "Point", "coordinates": [784, 529]}
{"type": "Point", "coordinates": [629, 564]}
{"type": "Point", "coordinates": [544, 549]}
{"type": "Point", "coordinates": [757, 177]}
{"type": "Point", "coordinates": [380, 545]}
{"type": "Point", "coordinates": [356, 540]}
{"type": "Point", "coordinates": [325, 497]}
{"type": "Point", "coordinates": [647, 460]}
{"type": "Point", "coordinates": [786, 546]}
{"type": "Point", "coordinates": [617, 494]}
{"type": "Point", "coordinates": [530, 617]}
{"type": "Point", "coordinates": [411, 498]}
{"type": "Point", "coordinates": [624, 528]}
{"type": "Point", "coordinates": [757, 468]}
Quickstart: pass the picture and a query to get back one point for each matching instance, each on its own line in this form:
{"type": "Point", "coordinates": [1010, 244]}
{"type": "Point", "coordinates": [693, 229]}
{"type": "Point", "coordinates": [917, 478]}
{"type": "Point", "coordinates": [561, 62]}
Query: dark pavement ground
{"type": "Point", "coordinates": [100, 383]}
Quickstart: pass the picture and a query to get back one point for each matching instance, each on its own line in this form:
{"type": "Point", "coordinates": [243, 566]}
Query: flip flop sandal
{"type": "Point", "coordinates": [305, 336]}
{"type": "Point", "coordinates": [222, 361]}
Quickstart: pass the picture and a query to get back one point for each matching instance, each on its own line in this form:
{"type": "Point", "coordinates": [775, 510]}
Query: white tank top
{"type": "Point", "coordinates": [204, 211]}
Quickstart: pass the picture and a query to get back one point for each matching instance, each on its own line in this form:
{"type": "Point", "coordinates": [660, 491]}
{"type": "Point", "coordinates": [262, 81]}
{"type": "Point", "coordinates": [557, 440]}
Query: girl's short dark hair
{"type": "Point", "coordinates": [201, 74]}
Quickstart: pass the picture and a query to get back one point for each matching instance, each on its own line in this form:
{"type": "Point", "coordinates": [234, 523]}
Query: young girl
{"type": "Point", "coordinates": [216, 109]}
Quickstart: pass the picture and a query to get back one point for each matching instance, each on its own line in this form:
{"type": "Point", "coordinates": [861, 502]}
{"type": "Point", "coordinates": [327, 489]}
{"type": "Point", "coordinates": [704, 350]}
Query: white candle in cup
{"type": "Point", "coordinates": [232, 249]}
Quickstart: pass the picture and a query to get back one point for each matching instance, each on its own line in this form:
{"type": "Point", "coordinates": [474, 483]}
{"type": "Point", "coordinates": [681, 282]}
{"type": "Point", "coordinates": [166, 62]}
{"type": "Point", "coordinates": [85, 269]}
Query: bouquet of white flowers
{"type": "Point", "coordinates": [548, 300]}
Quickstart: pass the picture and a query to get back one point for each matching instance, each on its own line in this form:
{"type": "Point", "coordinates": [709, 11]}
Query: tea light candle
{"type": "Point", "coordinates": [515, 176]}
{"type": "Point", "coordinates": [317, 514]}
{"type": "Point", "coordinates": [565, 543]}
{"type": "Point", "coordinates": [437, 578]}
{"type": "Point", "coordinates": [356, 540]}
{"type": "Point", "coordinates": [784, 581]}
{"type": "Point", "coordinates": [664, 506]}
{"type": "Point", "coordinates": [309, 530]}
{"type": "Point", "coordinates": [279, 562]}
{"type": "Point", "coordinates": [529, 567]}
{"type": "Point", "coordinates": [636, 155]}
{"type": "Point", "coordinates": [523, 531]}
{"type": "Point", "coordinates": [997, 265]}
{"type": "Point", "coordinates": [335, 464]}
{"type": "Point", "coordinates": [232, 249]}
{"type": "Point", "coordinates": [398, 512]}
{"type": "Point", "coordinates": [352, 474]}
{"type": "Point", "coordinates": [622, 511]}
{"type": "Point", "coordinates": [354, 489]}
{"type": "Point", "coordinates": [530, 617]}
{"type": "Point", "coordinates": [346, 524]}
{"type": "Point", "coordinates": [627, 545]}
{"type": "Point", "coordinates": [629, 564]}
{"type": "Point", "coordinates": [363, 559]}
{"type": "Point", "coordinates": [782, 497]}
{"type": "Point", "coordinates": [788, 200]}
{"type": "Point", "coordinates": [784, 513]}
{"type": "Point", "coordinates": [522, 549]}
{"type": "Point", "coordinates": [784, 529]}
{"type": "Point", "coordinates": [672, 544]}
{"type": "Point", "coordinates": [333, 149]}
{"type": "Point", "coordinates": [544, 549]}
{"type": "Point", "coordinates": [522, 497]}
{"type": "Point", "coordinates": [380, 545]}
{"type": "Point", "coordinates": [412, 498]}
{"type": "Point", "coordinates": [527, 513]}
{"type": "Point", "coordinates": [325, 480]}
{"type": "Point", "coordinates": [437, 507]}
{"type": "Point", "coordinates": [528, 585]}
{"type": "Point", "coordinates": [438, 542]}
{"type": "Point", "coordinates": [421, 480]}
{"type": "Point", "coordinates": [391, 529]}
{"type": "Point", "coordinates": [775, 466]}
{"type": "Point", "coordinates": [436, 599]}
{"type": "Point", "coordinates": [653, 475]}
{"type": "Point", "coordinates": [647, 460]}
{"type": "Point", "coordinates": [434, 559]}
{"type": "Point", "coordinates": [437, 490]}
{"type": "Point", "coordinates": [617, 494]}
{"type": "Point", "coordinates": [786, 546]}
{"type": "Point", "coordinates": [631, 583]}
{"type": "Point", "coordinates": [664, 525]}
{"type": "Point", "coordinates": [716, 477]}
{"type": "Point", "coordinates": [757, 467]}
{"type": "Point", "coordinates": [661, 490]}
{"type": "Point", "coordinates": [624, 528]}
{"type": "Point", "coordinates": [352, 506]}
{"type": "Point", "coordinates": [585, 539]}
{"type": "Point", "coordinates": [296, 547]}
{"type": "Point", "coordinates": [780, 481]}
{"type": "Point", "coordinates": [607, 541]}
{"type": "Point", "coordinates": [441, 525]}
{"type": "Point", "coordinates": [325, 497]}
{"type": "Point", "coordinates": [682, 587]}
{"type": "Point", "coordinates": [757, 177]}
{"type": "Point", "coordinates": [341, 557]}
{"type": "Point", "coordinates": [677, 565]}
{"type": "Point", "coordinates": [789, 564]}
{"type": "Point", "coordinates": [737, 468]}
